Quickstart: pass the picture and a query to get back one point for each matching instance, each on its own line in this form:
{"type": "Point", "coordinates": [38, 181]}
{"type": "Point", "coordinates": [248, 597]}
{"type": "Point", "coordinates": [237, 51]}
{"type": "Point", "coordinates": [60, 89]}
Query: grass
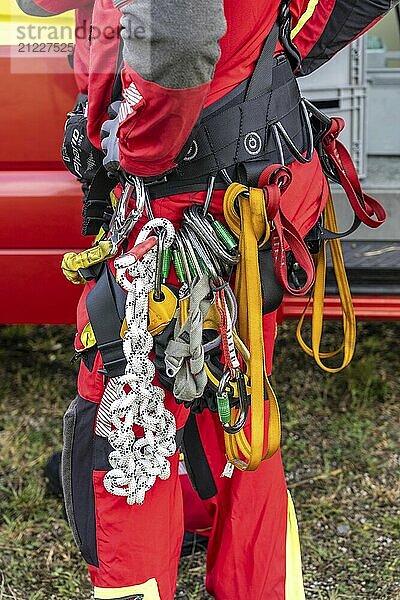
{"type": "Point", "coordinates": [341, 451]}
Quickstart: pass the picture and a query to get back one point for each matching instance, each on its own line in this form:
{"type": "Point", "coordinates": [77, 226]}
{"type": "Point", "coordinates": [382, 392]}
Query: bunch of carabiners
{"type": "Point", "coordinates": [204, 255]}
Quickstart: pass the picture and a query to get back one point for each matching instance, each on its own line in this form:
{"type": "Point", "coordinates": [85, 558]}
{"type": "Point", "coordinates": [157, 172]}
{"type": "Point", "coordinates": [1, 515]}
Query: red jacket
{"type": "Point", "coordinates": [157, 119]}
{"type": "Point", "coordinates": [158, 124]}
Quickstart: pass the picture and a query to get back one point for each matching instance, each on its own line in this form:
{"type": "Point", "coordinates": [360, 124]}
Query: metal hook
{"type": "Point", "coordinates": [242, 395]}
{"type": "Point", "coordinates": [158, 295]}
{"type": "Point", "coordinates": [210, 191]}
{"type": "Point", "coordinates": [280, 133]}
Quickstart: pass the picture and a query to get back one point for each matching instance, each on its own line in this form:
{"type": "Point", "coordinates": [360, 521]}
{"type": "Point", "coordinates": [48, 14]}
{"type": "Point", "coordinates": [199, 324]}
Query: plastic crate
{"type": "Point", "coordinates": [347, 68]}
{"type": "Point", "coordinates": [350, 104]}
{"type": "Point", "coordinates": [383, 112]}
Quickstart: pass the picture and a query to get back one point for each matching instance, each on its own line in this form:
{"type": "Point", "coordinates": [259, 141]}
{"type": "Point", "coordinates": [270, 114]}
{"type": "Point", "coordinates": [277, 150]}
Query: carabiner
{"type": "Point", "coordinates": [121, 225]}
{"type": "Point", "coordinates": [203, 229]}
{"type": "Point", "coordinates": [158, 295]}
{"type": "Point", "coordinates": [182, 254]}
{"type": "Point", "coordinates": [207, 263]}
{"type": "Point", "coordinates": [223, 401]}
{"type": "Point", "coordinates": [191, 255]}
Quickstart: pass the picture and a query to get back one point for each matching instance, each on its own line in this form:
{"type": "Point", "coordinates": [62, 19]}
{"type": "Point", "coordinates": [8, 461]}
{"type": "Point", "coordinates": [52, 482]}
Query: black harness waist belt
{"type": "Point", "coordinates": [262, 121]}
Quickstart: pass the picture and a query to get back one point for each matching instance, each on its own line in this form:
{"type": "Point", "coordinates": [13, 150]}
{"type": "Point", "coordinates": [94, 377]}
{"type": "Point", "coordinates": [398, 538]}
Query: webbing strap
{"type": "Point", "coordinates": [366, 208]}
{"type": "Point", "coordinates": [252, 228]}
{"type": "Point", "coordinates": [105, 305]}
{"type": "Point", "coordinates": [261, 79]}
{"type": "Point", "coordinates": [348, 316]}
{"type": "Point", "coordinates": [274, 180]}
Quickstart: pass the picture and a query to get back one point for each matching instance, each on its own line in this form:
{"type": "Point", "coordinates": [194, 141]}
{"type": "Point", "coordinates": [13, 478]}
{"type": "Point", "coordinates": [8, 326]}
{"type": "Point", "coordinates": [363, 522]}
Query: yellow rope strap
{"type": "Point", "coordinates": [251, 227]}
{"type": "Point", "coordinates": [348, 316]}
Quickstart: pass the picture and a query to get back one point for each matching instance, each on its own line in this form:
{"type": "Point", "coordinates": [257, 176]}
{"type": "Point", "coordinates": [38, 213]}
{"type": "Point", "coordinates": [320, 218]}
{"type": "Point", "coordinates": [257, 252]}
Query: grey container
{"type": "Point", "coordinates": [383, 112]}
{"type": "Point", "coordinates": [347, 68]}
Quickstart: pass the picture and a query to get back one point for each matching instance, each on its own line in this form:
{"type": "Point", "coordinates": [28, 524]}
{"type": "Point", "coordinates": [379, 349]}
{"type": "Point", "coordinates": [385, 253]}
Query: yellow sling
{"type": "Point", "coordinates": [348, 316]}
{"type": "Point", "coordinates": [250, 225]}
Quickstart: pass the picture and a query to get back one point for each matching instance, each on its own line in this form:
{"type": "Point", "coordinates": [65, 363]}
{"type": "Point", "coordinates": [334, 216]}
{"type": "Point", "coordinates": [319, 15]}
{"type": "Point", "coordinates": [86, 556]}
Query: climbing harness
{"type": "Point", "coordinates": [208, 339]}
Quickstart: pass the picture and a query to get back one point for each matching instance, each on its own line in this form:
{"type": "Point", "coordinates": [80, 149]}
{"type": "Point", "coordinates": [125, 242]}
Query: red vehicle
{"type": "Point", "coordinates": [40, 202]}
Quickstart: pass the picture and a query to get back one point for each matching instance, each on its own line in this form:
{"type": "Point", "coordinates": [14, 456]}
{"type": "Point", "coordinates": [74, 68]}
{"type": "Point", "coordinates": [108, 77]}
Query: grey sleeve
{"type": "Point", "coordinates": [31, 8]}
{"type": "Point", "coordinates": [173, 43]}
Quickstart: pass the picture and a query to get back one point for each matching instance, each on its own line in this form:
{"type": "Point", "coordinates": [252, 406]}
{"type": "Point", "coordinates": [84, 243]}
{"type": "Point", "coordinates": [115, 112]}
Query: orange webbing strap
{"type": "Point", "coordinates": [250, 225]}
{"type": "Point", "coordinates": [348, 316]}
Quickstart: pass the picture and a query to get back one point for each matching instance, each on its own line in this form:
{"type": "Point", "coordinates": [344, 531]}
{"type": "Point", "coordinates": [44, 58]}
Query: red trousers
{"type": "Point", "coordinates": [133, 551]}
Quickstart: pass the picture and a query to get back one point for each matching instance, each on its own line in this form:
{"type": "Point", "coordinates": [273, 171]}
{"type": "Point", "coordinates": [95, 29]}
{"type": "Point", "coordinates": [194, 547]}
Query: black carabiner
{"type": "Point", "coordinates": [158, 295]}
{"type": "Point", "coordinates": [243, 400]}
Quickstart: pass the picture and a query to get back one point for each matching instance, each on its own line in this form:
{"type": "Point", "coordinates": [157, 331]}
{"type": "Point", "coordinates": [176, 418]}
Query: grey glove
{"type": "Point", "coordinates": [109, 140]}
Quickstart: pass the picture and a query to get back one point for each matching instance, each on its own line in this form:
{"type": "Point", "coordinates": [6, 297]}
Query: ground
{"type": "Point", "coordinates": [340, 448]}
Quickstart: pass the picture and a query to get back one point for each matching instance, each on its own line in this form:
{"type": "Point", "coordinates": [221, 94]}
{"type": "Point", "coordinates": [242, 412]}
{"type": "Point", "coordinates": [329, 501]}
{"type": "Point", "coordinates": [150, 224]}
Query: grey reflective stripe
{"type": "Point", "coordinates": [31, 8]}
{"type": "Point", "coordinates": [174, 44]}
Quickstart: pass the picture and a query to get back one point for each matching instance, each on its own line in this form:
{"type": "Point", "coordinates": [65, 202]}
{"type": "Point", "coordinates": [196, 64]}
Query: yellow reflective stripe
{"type": "Point", "coordinates": [148, 589]}
{"type": "Point", "coordinates": [308, 13]}
{"type": "Point", "coordinates": [294, 589]}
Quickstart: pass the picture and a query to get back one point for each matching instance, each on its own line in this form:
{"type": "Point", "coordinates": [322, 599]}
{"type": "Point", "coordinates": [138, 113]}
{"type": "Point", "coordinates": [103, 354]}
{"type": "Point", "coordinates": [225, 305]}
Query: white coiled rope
{"type": "Point", "coordinates": [132, 399]}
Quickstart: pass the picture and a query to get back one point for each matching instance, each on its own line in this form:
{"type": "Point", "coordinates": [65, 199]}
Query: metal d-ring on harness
{"type": "Point", "coordinates": [279, 133]}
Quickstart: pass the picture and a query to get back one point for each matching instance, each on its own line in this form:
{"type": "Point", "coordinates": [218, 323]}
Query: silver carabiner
{"type": "Point", "coordinates": [201, 226]}
{"type": "Point", "coordinates": [182, 252]}
{"type": "Point", "coordinates": [122, 224]}
{"type": "Point", "coordinates": [191, 254]}
{"type": "Point", "coordinates": [201, 253]}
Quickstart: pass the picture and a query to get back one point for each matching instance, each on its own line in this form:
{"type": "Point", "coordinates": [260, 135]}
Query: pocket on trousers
{"type": "Point", "coordinates": [77, 475]}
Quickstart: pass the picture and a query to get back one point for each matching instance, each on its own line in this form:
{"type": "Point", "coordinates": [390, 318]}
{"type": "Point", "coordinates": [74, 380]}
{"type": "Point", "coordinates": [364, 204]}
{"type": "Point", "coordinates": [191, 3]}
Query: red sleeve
{"type": "Point", "coordinates": [155, 123]}
{"type": "Point", "coordinates": [170, 50]}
